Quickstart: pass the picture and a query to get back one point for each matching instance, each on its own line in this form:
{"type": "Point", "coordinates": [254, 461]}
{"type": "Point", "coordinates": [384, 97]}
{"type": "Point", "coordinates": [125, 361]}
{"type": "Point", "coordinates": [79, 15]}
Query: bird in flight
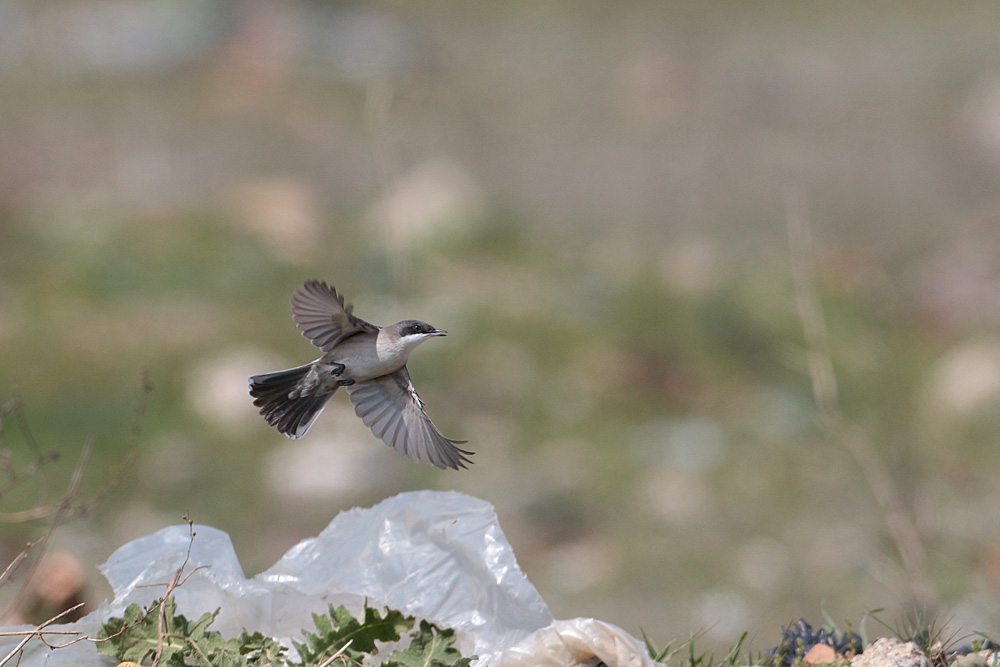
{"type": "Point", "coordinates": [370, 363]}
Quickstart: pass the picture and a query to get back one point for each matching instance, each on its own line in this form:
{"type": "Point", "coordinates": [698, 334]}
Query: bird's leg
{"type": "Point", "coordinates": [345, 383]}
{"type": "Point", "coordinates": [337, 368]}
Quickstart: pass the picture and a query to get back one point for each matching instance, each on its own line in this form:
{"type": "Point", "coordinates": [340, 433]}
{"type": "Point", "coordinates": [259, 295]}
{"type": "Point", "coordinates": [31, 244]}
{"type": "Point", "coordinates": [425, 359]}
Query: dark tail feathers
{"type": "Point", "coordinates": [291, 416]}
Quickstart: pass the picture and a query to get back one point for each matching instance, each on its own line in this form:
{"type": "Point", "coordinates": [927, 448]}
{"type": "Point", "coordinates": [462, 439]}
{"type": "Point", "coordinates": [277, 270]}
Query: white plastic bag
{"type": "Point", "coordinates": [440, 556]}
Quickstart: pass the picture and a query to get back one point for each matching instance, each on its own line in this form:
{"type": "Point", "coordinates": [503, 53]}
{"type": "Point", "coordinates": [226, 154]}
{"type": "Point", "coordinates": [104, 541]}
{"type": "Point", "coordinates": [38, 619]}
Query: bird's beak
{"type": "Point", "coordinates": [439, 332]}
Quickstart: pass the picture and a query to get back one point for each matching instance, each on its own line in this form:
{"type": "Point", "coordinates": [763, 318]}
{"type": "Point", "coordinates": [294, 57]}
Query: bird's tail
{"type": "Point", "coordinates": [291, 416]}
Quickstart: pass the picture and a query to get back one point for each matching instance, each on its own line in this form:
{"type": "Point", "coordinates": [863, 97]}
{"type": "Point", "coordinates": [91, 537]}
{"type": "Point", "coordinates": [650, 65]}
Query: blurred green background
{"type": "Point", "coordinates": [594, 200]}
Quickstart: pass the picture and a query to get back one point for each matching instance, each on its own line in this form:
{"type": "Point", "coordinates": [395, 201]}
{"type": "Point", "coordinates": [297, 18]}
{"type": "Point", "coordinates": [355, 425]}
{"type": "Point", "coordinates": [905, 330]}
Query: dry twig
{"type": "Point", "coordinates": [38, 632]}
{"type": "Point", "coordinates": [70, 505]}
{"type": "Point", "coordinates": [178, 579]}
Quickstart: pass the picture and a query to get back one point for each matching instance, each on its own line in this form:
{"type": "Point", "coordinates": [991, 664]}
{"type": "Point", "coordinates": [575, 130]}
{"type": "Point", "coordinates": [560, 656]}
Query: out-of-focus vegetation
{"type": "Point", "coordinates": [592, 200]}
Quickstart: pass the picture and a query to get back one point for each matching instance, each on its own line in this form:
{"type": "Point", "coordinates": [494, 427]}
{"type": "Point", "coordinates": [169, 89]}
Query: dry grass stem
{"type": "Point", "coordinates": [38, 632]}
{"type": "Point", "coordinates": [338, 654]}
{"type": "Point", "coordinates": [899, 524]}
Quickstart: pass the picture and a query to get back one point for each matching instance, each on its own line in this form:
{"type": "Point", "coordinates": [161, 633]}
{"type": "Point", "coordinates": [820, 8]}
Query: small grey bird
{"type": "Point", "coordinates": [370, 362]}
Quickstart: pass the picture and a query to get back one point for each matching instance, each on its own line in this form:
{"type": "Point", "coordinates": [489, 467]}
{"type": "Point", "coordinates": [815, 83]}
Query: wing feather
{"type": "Point", "coordinates": [321, 315]}
{"type": "Point", "coordinates": [398, 435]}
{"type": "Point", "coordinates": [390, 407]}
{"type": "Point", "coordinates": [436, 457]}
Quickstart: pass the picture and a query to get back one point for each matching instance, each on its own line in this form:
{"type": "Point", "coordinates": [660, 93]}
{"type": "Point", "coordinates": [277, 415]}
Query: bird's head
{"type": "Point", "coordinates": [408, 334]}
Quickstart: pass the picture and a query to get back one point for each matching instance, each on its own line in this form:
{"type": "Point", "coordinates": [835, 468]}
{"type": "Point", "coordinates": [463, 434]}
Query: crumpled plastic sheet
{"type": "Point", "coordinates": [440, 556]}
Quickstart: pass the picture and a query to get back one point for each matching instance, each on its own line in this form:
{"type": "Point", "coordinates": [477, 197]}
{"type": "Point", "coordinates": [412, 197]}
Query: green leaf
{"type": "Point", "coordinates": [430, 646]}
{"type": "Point", "coordinates": [339, 627]}
{"type": "Point", "coordinates": [259, 650]}
{"type": "Point", "coordinates": [197, 630]}
{"type": "Point", "coordinates": [136, 637]}
{"type": "Point", "coordinates": [132, 638]}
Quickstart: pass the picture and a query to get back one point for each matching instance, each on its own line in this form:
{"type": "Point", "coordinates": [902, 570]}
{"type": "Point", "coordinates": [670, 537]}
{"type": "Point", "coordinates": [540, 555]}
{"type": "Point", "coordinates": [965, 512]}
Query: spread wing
{"type": "Point", "coordinates": [390, 407]}
{"type": "Point", "coordinates": [321, 315]}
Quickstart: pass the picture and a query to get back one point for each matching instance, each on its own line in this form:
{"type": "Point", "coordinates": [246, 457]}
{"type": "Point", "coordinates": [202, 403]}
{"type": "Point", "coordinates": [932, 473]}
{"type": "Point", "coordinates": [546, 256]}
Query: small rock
{"type": "Point", "coordinates": [820, 654]}
{"type": "Point", "coordinates": [970, 660]}
{"type": "Point", "coordinates": [887, 652]}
